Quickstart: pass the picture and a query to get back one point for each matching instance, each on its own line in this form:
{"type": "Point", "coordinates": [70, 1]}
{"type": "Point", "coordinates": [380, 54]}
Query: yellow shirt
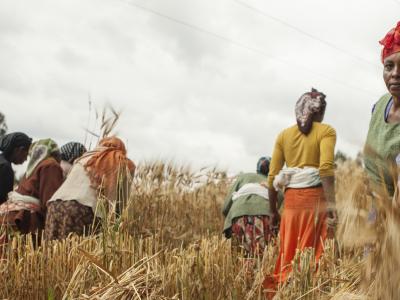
{"type": "Point", "coordinates": [299, 150]}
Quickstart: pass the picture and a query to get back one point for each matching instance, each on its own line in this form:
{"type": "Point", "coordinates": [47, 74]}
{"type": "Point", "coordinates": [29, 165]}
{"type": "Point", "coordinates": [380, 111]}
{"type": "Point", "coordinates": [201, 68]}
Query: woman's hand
{"type": "Point", "coordinates": [332, 215]}
{"type": "Point", "coordinates": [332, 221]}
{"type": "Point", "coordinates": [264, 184]}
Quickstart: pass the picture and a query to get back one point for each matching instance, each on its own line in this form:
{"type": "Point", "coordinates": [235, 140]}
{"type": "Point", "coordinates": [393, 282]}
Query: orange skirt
{"type": "Point", "coordinates": [303, 225]}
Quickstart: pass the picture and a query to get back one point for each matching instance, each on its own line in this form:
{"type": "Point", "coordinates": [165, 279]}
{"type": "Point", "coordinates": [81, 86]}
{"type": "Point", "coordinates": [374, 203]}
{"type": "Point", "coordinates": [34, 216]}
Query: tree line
{"type": "Point", "coordinates": [3, 125]}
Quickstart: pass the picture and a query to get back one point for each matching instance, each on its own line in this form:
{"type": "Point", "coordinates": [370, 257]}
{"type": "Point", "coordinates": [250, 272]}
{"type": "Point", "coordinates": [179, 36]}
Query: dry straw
{"type": "Point", "coordinates": [167, 243]}
{"type": "Point", "coordinates": [164, 241]}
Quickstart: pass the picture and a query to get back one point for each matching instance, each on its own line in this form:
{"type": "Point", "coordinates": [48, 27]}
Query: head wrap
{"type": "Point", "coordinates": [72, 151]}
{"type": "Point", "coordinates": [108, 160]}
{"type": "Point", "coordinates": [391, 42]}
{"type": "Point", "coordinates": [263, 165]}
{"type": "Point", "coordinates": [14, 140]}
{"type": "Point", "coordinates": [40, 150]}
{"type": "Point", "coordinates": [307, 106]}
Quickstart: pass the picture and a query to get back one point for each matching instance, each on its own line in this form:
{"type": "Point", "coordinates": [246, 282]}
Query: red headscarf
{"type": "Point", "coordinates": [391, 42]}
{"type": "Point", "coordinates": [106, 162]}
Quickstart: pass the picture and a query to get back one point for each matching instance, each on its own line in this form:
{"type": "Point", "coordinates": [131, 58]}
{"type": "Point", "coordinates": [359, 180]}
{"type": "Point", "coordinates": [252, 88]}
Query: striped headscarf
{"type": "Point", "coordinates": [40, 150]}
{"type": "Point", "coordinates": [391, 42]}
{"type": "Point", "coordinates": [263, 165]}
{"type": "Point", "coordinates": [72, 151]}
{"type": "Point", "coordinates": [307, 107]}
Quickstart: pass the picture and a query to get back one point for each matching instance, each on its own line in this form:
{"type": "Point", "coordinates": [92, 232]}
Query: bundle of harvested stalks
{"type": "Point", "coordinates": [354, 200]}
{"type": "Point", "coordinates": [371, 221]}
{"type": "Point", "coordinates": [137, 282]}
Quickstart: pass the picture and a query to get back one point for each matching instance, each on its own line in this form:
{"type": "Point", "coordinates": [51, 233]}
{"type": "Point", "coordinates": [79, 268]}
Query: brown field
{"type": "Point", "coordinates": [168, 245]}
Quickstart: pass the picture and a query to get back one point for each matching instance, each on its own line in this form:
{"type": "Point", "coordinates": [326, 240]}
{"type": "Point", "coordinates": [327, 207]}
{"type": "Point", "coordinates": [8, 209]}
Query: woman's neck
{"type": "Point", "coordinates": [394, 113]}
{"type": "Point", "coordinates": [396, 102]}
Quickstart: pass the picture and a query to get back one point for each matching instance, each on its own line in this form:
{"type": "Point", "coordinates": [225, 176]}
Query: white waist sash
{"type": "Point", "coordinates": [297, 178]}
{"type": "Point", "coordinates": [251, 189]}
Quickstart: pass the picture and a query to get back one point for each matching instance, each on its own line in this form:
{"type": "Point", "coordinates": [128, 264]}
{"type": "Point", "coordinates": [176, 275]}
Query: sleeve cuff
{"type": "Point", "coordinates": [326, 173]}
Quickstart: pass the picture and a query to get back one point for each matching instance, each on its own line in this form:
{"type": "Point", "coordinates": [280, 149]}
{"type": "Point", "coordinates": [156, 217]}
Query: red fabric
{"type": "Point", "coordinates": [42, 184]}
{"type": "Point", "coordinates": [8, 206]}
{"type": "Point", "coordinates": [391, 42]}
{"type": "Point", "coordinates": [303, 225]}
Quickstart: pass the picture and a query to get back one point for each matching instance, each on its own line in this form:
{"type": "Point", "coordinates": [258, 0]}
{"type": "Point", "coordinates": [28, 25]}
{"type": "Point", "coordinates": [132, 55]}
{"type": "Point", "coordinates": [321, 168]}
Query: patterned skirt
{"type": "Point", "coordinates": [252, 233]}
{"type": "Point", "coordinates": [66, 217]}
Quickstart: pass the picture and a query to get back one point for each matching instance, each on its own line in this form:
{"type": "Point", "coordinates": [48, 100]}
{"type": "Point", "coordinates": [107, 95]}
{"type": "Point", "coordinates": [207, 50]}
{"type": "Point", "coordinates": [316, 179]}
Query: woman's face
{"type": "Point", "coordinates": [391, 74]}
{"type": "Point", "coordinates": [57, 156]}
{"type": "Point", "coordinates": [19, 155]}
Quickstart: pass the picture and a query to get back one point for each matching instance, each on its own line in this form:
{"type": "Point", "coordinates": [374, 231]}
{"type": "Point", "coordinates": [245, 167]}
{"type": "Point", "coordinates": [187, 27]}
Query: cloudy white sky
{"type": "Point", "coordinates": [204, 82]}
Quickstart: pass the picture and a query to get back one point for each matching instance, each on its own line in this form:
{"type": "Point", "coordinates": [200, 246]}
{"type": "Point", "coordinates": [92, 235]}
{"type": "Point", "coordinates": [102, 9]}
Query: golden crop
{"type": "Point", "coordinates": [168, 244]}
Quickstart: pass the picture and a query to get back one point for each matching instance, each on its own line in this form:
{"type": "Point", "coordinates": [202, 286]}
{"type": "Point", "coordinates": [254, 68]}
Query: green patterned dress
{"type": "Point", "coordinates": [381, 149]}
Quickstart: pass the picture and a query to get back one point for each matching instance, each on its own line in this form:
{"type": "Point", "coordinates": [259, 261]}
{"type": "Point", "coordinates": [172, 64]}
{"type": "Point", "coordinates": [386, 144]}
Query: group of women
{"type": "Point", "coordinates": [61, 187]}
{"type": "Point", "coordinates": [302, 167]}
{"type": "Point", "coordinates": [60, 190]}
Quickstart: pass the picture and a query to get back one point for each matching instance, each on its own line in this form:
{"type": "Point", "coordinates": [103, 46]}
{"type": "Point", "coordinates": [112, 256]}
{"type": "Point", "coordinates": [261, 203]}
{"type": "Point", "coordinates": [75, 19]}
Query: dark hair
{"type": "Point", "coordinates": [263, 165]}
{"type": "Point", "coordinates": [11, 141]}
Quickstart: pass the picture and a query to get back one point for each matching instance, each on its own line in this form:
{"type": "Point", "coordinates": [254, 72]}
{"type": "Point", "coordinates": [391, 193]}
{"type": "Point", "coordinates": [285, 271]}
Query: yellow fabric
{"type": "Point", "coordinates": [298, 150]}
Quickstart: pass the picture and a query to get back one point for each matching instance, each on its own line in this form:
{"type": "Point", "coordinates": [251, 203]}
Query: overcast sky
{"type": "Point", "coordinates": [203, 82]}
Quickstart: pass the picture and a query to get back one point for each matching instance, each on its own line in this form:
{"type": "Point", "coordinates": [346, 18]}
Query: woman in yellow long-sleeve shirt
{"type": "Point", "coordinates": [307, 149]}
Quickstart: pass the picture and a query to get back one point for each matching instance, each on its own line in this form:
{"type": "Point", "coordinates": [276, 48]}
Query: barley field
{"type": "Point", "coordinates": [167, 244]}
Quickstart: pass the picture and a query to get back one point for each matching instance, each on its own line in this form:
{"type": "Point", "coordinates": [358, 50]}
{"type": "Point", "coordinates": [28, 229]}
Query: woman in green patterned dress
{"type": "Point", "coordinates": [383, 140]}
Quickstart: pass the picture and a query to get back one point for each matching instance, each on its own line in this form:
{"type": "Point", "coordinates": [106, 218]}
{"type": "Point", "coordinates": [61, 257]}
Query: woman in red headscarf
{"type": "Point", "coordinates": [98, 174]}
{"type": "Point", "coordinates": [383, 140]}
{"type": "Point", "coordinates": [381, 154]}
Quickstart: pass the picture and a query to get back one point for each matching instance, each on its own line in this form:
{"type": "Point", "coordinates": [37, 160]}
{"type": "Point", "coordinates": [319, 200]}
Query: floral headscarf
{"type": "Point", "coordinates": [39, 151]}
{"type": "Point", "coordinates": [307, 106]}
{"type": "Point", "coordinates": [391, 42]}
